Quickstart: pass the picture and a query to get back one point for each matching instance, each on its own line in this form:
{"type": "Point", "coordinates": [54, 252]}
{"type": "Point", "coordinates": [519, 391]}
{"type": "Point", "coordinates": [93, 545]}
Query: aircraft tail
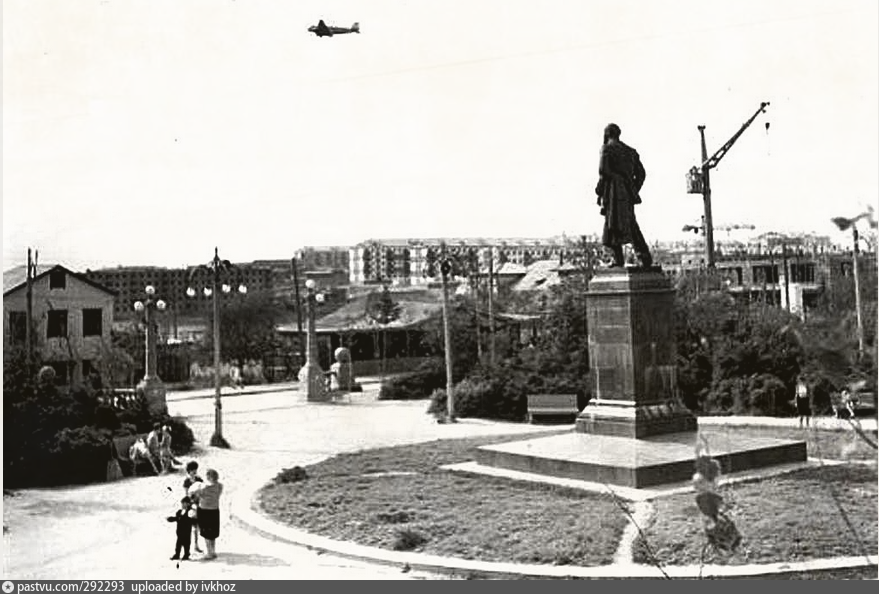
{"type": "Point", "coordinates": [356, 27]}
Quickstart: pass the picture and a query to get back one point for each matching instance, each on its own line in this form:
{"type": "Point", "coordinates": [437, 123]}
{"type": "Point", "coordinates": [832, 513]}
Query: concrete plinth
{"type": "Point", "coordinates": [636, 463]}
{"type": "Point", "coordinates": [634, 432]}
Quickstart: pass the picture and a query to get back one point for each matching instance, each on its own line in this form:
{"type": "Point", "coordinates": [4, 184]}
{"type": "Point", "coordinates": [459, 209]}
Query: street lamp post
{"type": "Point", "coordinates": [445, 270]}
{"type": "Point", "coordinates": [216, 269]}
{"type": "Point", "coordinates": [295, 265]}
{"type": "Point", "coordinates": [151, 386]}
{"type": "Point", "coordinates": [311, 374]}
{"type": "Point", "coordinates": [843, 224]}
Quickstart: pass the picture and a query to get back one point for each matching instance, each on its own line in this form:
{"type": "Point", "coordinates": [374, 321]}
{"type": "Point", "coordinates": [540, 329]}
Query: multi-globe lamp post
{"type": "Point", "coordinates": [216, 270]}
{"type": "Point", "coordinates": [151, 385]}
{"type": "Point", "coordinates": [311, 374]}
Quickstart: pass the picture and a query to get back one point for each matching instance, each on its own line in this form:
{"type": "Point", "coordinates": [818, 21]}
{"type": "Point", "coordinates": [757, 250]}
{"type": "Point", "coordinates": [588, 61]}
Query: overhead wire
{"type": "Point", "coordinates": [583, 46]}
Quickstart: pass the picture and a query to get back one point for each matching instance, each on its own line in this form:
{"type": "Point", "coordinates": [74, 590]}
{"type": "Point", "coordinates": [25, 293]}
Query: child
{"type": "Point", "coordinates": [191, 479]}
{"type": "Point", "coordinates": [208, 497]}
{"type": "Point", "coordinates": [185, 518]}
{"type": "Point", "coordinates": [165, 453]}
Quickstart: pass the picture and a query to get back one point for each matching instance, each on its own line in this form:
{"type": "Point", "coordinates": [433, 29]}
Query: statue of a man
{"type": "Point", "coordinates": [621, 176]}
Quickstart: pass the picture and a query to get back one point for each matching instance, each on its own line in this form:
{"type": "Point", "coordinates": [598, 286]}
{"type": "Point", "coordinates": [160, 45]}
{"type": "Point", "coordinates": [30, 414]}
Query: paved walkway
{"type": "Point", "coordinates": [118, 530]}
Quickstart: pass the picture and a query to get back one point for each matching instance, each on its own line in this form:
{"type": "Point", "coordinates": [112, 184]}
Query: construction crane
{"type": "Point", "coordinates": [698, 179]}
{"type": "Point", "coordinates": [700, 228]}
{"type": "Point", "coordinates": [735, 227]}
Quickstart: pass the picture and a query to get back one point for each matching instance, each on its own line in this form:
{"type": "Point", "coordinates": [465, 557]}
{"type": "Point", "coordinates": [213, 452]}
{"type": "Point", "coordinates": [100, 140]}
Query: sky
{"type": "Point", "coordinates": [147, 132]}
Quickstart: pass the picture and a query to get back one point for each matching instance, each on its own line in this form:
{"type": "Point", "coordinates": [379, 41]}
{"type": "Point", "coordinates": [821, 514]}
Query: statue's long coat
{"type": "Point", "coordinates": [621, 176]}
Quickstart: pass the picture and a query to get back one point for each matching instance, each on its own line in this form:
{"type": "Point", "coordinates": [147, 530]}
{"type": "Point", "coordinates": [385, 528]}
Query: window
{"type": "Point", "coordinates": [92, 322]}
{"type": "Point", "coordinates": [57, 324]}
{"type": "Point", "coordinates": [765, 274]}
{"type": "Point", "coordinates": [57, 279]}
{"type": "Point", "coordinates": [17, 326]}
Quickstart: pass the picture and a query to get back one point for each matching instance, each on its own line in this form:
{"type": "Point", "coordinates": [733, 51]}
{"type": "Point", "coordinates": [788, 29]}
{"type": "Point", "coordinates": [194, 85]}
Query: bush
{"type": "Point", "coordinates": [182, 438]}
{"type": "Point", "coordinates": [80, 456]}
{"type": "Point", "coordinates": [481, 398]}
{"type": "Point", "coordinates": [414, 386]}
{"type": "Point", "coordinates": [408, 540]}
{"type": "Point", "coordinates": [290, 475]}
{"type": "Point", "coordinates": [762, 394]}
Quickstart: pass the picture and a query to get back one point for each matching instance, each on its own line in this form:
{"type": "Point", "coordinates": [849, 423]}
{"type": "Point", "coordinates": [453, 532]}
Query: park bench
{"type": "Point", "coordinates": [552, 405]}
{"type": "Point", "coordinates": [864, 401]}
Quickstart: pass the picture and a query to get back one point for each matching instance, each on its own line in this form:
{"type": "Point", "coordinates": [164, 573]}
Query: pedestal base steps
{"type": "Point", "coordinates": [634, 463]}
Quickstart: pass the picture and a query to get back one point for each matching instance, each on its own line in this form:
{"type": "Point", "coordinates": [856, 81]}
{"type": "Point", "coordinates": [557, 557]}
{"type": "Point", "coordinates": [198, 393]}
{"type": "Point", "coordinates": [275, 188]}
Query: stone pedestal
{"type": "Point", "coordinates": [634, 432]}
{"type": "Point", "coordinates": [632, 356]}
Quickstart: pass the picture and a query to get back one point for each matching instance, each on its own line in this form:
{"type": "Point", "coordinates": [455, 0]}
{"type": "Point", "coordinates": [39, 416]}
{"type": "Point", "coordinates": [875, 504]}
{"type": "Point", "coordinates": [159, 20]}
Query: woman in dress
{"type": "Point", "coordinates": [208, 496]}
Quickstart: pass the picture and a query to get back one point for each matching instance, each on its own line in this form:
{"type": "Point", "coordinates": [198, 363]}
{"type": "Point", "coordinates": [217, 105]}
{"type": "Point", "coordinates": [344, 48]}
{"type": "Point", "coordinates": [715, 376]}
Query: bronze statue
{"type": "Point", "coordinates": [621, 176]}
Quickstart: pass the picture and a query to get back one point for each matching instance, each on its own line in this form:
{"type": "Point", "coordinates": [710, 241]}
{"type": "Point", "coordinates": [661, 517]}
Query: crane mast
{"type": "Point", "coordinates": [699, 180]}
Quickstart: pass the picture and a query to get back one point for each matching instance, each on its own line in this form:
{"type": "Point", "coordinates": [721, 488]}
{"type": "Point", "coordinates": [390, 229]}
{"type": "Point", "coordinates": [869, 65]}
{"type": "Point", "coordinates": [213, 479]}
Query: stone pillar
{"type": "Point", "coordinates": [632, 356]}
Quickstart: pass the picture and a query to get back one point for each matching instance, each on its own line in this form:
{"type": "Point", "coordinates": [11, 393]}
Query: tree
{"type": "Point", "coordinates": [247, 328]}
{"type": "Point", "coordinates": [383, 311]}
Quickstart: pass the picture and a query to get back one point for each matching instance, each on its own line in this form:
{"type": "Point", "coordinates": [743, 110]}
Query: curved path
{"type": "Point", "coordinates": [118, 530]}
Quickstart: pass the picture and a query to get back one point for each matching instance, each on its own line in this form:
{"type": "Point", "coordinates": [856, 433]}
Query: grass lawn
{"type": "Point", "coordinates": [355, 497]}
{"type": "Point", "coordinates": [829, 444]}
{"type": "Point", "coordinates": [399, 498]}
{"type": "Point", "coordinates": [790, 517]}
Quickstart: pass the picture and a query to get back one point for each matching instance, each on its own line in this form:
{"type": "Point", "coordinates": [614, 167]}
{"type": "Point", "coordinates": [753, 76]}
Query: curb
{"type": "Point", "coordinates": [819, 423]}
{"type": "Point", "coordinates": [200, 395]}
{"type": "Point", "coordinates": [243, 509]}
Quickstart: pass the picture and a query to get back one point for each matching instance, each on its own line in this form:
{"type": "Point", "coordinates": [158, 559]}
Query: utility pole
{"type": "Point", "coordinates": [786, 275]}
{"type": "Point", "coordinates": [295, 266]}
{"type": "Point", "coordinates": [855, 251]}
{"type": "Point", "coordinates": [699, 179]}
{"type": "Point", "coordinates": [29, 309]}
{"type": "Point", "coordinates": [491, 307]}
{"type": "Point", "coordinates": [474, 286]}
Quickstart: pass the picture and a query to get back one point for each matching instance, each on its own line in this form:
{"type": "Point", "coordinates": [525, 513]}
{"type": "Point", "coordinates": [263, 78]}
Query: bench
{"type": "Point", "coordinates": [552, 405]}
{"type": "Point", "coordinates": [864, 401]}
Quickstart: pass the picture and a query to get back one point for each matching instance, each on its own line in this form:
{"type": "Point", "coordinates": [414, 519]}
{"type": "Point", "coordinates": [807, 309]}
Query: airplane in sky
{"type": "Point", "coordinates": [322, 30]}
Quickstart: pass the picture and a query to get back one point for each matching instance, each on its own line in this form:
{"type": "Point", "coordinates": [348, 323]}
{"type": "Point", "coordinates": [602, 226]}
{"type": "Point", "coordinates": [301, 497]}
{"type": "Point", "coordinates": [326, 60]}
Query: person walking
{"type": "Point", "coordinates": [803, 403]}
{"type": "Point", "coordinates": [208, 496]}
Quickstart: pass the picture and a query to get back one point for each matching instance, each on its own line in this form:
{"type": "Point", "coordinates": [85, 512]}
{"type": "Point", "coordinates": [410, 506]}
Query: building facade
{"type": "Point", "coordinates": [71, 320]}
{"type": "Point", "coordinates": [411, 262]}
{"type": "Point", "coordinates": [789, 272]}
{"type": "Point", "coordinates": [171, 285]}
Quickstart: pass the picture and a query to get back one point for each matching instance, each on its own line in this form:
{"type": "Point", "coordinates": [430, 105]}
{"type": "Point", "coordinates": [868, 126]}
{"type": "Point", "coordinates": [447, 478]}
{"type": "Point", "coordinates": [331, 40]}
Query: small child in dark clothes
{"type": "Point", "coordinates": [185, 518]}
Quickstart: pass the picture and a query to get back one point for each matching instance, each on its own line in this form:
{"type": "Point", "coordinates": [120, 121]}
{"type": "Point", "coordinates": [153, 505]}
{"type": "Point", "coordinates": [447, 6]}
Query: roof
{"type": "Point", "coordinates": [16, 278]}
{"type": "Point", "coordinates": [540, 275]}
{"type": "Point", "coordinates": [510, 268]}
{"type": "Point", "coordinates": [354, 315]}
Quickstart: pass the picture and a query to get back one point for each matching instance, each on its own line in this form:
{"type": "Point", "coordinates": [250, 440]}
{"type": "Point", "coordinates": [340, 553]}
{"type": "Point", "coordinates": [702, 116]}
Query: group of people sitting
{"type": "Point", "coordinates": [155, 449]}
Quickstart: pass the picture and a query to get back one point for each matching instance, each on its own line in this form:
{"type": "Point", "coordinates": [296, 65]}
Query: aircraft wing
{"type": "Point", "coordinates": [321, 29]}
